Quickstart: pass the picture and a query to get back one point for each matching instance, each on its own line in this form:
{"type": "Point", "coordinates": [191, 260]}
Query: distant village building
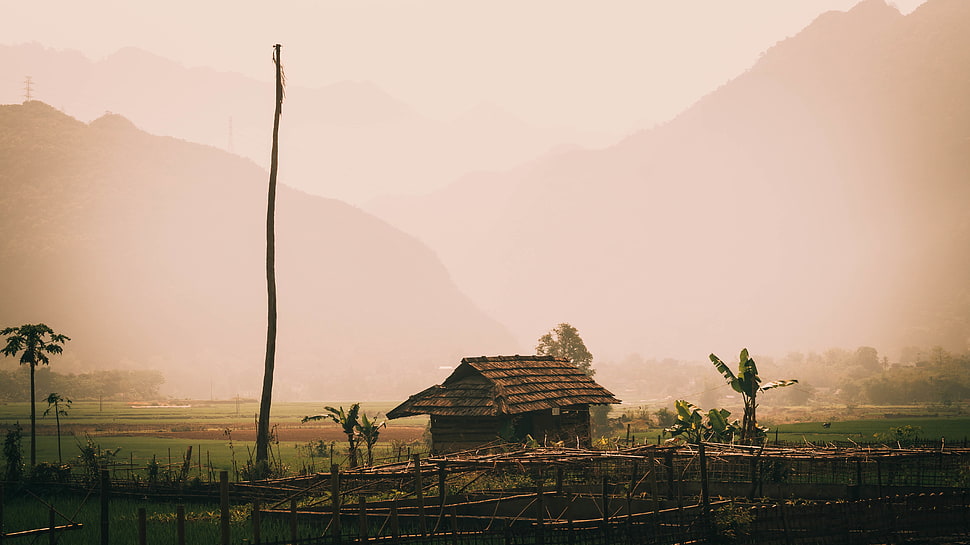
{"type": "Point", "coordinates": [492, 398]}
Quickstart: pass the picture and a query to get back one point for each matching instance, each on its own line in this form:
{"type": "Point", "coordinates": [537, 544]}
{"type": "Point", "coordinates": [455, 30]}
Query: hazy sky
{"type": "Point", "coordinates": [604, 66]}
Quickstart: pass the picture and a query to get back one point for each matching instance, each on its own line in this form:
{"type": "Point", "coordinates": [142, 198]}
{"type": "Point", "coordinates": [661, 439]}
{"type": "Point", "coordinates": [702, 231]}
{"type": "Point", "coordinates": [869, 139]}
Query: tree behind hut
{"type": "Point", "coordinates": [564, 342]}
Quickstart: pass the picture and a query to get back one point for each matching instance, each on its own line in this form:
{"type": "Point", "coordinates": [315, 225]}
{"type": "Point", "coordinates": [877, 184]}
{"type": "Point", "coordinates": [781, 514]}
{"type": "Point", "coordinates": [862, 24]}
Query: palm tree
{"type": "Point", "coordinates": [34, 342]}
{"type": "Point", "coordinates": [348, 422]}
{"type": "Point", "coordinates": [747, 382]}
{"type": "Point", "coordinates": [369, 431]}
{"type": "Point", "coordinates": [266, 399]}
{"type": "Point", "coordinates": [55, 402]}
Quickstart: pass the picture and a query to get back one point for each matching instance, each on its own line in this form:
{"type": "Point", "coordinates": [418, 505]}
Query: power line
{"type": "Point", "coordinates": [28, 88]}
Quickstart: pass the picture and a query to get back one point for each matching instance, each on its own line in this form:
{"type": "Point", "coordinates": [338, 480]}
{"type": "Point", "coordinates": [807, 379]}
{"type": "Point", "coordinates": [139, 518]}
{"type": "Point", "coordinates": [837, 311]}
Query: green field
{"type": "Point", "coordinates": [140, 432]}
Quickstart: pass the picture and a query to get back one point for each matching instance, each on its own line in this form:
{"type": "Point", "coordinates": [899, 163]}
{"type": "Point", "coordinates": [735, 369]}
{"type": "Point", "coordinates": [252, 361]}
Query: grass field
{"type": "Point", "coordinates": [140, 432]}
{"type": "Point", "coordinates": [165, 432]}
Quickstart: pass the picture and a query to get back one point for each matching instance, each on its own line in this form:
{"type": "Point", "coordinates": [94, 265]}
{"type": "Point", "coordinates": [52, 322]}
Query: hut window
{"type": "Point", "coordinates": [555, 411]}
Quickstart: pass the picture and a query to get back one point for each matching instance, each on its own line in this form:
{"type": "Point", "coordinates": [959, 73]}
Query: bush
{"type": "Point", "coordinates": [46, 472]}
{"type": "Point", "coordinates": [13, 454]}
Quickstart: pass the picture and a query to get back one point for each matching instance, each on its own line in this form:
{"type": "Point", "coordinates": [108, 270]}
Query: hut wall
{"type": "Point", "coordinates": [455, 433]}
{"type": "Point", "coordinates": [569, 426]}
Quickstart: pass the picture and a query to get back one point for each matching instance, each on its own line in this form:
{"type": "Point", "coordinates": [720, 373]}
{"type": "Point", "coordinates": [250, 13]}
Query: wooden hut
{"type": "Point", "coordinates": [492, 398]}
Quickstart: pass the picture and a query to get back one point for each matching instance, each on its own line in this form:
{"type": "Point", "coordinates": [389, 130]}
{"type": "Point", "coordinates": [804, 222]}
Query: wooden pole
{"type": "Point", "coordinates": [335, 501]}
{"type": "Point", "coordinates": [293, 530]}
{"type": "Point", "coordinates": [540, 538]}
{"type": "Point", "coordinates": [180, 524]}
{"type": "Point", "coordinates": [52, 522]}
{"type": "Point", "coordinates": [105, 518]}
{"type": "Point", "coordinates": [142, 527]}
{"type": "Point", "coordinates": [419, 492]}
{"type": "Point", "coordinates": [266, 397]}
{"type": "Point", "coordinates": [654, 485]}
{"type": "Point", "coordinates": [362, 520]}
{"type": "Point", "coordinates": [224, 506]}
{"type": "Point", "coordinates": [606, 507]}
{"type": "Point", "coordinates": [669, 463]}
{"type": "Point", "coordinates": [632, 489]}
{"type": "Point", "coordinates": [705, 495]}
{"type": "Point", "coordinates": [442, 488]}
{"type": "Point", "coordinates": [257, 524]}
{"type": "Point", "coordinates": [395, 524]}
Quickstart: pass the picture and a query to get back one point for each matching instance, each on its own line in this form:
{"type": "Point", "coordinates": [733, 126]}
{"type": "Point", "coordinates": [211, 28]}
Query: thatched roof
{"type": "Point", "coordinates": [506, 385]}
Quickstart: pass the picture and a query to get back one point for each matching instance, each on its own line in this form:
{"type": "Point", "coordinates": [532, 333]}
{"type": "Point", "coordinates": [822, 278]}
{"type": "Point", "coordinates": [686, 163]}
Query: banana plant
{"type": "Point", "coordinates": [689, 424]}
{"type": "Point", "coordinates": [747, 382]}
{"type": "Point", "coordinates": [369, 431]}
{"type": "Point", "coordinates": [694, 427]}
{"type": "Point", "coordinates": [348, 422]}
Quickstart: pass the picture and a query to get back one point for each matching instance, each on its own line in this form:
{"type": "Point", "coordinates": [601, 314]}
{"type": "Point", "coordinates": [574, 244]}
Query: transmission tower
{"type": "Point", "coordinates": [28, 88]}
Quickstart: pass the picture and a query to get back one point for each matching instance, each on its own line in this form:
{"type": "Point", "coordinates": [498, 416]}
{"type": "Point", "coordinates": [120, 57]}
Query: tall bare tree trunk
{"type": "Point", "coordinates": [266, 400]}
{"type": "Point", "coordinates": [33, 418]}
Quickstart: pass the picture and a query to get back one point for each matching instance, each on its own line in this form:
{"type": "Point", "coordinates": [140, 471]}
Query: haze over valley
{"type": "Point", "coordinates": [813, 198]}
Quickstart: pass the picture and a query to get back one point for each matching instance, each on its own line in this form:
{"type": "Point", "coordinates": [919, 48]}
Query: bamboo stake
{"type": "Point", "coordinates": [224, 506]}
{"type": "Point", "coordinates": [180, 524]}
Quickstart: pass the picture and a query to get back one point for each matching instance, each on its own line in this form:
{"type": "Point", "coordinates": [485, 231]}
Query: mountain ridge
{"type": "Point", "coordinates": [815, 194]}
{"type": "Point", "coordinates": [149, 252]}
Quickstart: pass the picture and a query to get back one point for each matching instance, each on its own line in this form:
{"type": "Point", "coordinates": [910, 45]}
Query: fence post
{"type": "Point", "coordinates": [362, 527]}
{"type": "Point", "coordinates": [52, 521]}
{"type": "Point", "coordinates": [540, 538]}
{"type": "Point", "coordinates": [419, 491]}
{"type": "Point", "coordinates": [105, 518]}
{"type": "Point", "coordinates": [632, 489]}
{"type": "Point", "coordinates": [142, 527]}
{"type": "Point", "coordinates": [442, 483]}
{"type": "Point", "coordinates": [559, 478]}
{"type": "Point", "coordinates": [654, 486]}
{"type": "Point", "coordinates": [705, 494]}
{"type": "Point", "coordinates": [257, 530]}
{"type": "Point", "coordinates": [395, 524]}
{"type": "Point", "coordinates": [335, 501]}
{"type": "Point", "coordinates": [180, 524]}
{"type": "Point", "coordinates": [224, 506]}
{"type": "Point", "coordinates": [606, 508]}
{"type": "Point", "coordinates": [669, 462]}
{"type": "Point", "coordinates": [293, 531]}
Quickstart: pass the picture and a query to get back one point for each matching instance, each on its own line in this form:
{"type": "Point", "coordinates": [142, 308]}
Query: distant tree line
{"type": "Point", "coordinates": [109, 385]}
{"type": "Point", "coordinates": [837, 375]}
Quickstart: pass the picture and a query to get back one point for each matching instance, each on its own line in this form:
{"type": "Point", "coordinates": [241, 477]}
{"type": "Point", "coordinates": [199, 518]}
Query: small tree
{"type": "Point", "coordinates": [369, 431]}
{"type": "Point", "coordinates": [58, 404]}
{"type": "Point", "coordinates": [747, 382]}
{"type": "Point", "coordinates": [34, 342]}
{"type": "Point", "coordinates": [564, 342]}
{"type": "Point", "coordinates": [348, 422]}
{"type": "Point", "coordinates": [13, 453]}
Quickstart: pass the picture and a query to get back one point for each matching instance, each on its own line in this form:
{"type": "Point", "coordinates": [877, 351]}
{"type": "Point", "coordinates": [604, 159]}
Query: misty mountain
{"type": "Point", "coordinates": [348, 140]}
{"type": "Point", "coordinates": [149, 252]}
{"type": "Point", "coordinates": [816, 200]}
